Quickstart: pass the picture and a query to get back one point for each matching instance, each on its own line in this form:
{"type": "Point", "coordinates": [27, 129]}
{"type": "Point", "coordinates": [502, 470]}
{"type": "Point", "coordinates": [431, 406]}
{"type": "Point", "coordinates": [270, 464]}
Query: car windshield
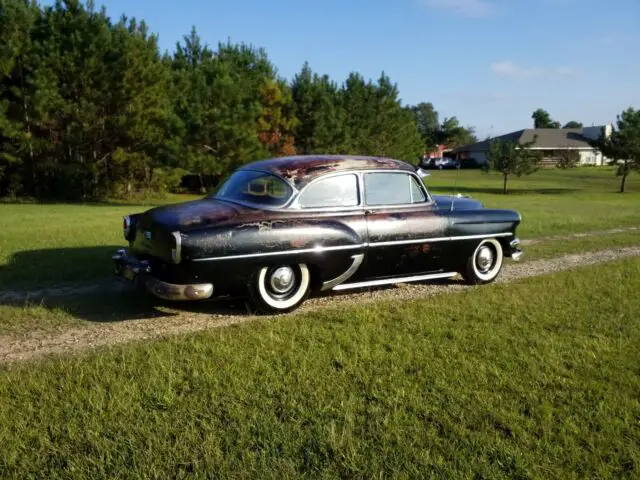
{"type": "Point", "coordinates": [255, 187]}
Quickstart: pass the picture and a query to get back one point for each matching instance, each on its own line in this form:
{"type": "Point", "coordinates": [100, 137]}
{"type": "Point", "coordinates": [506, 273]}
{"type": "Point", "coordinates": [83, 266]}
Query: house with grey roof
{"type": "Point", "coordinates": [548, 140]}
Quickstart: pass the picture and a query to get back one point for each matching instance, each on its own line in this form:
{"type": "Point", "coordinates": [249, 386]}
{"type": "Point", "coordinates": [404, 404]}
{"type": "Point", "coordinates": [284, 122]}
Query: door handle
{"type": "Point", "coordinates": [368, 212]}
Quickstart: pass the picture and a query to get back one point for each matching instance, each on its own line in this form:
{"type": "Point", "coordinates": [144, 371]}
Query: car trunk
{"type": "Point", "coordinates": [158, 231]}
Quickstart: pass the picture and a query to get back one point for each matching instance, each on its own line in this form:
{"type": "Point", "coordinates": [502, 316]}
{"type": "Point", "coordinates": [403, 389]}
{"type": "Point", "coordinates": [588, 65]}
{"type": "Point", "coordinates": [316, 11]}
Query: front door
{"type": "Point", "coordinates": [407, 234]}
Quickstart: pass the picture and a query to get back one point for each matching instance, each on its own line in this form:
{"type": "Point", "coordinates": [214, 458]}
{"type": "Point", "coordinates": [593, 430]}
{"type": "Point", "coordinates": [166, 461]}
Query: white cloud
{"type": "Point", "coordinates": [464, 8]}
{"type": "Point", "coordinates": [510, 69]}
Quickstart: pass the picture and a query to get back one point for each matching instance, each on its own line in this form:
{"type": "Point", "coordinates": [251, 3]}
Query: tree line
{"type": "Point", "coordinates": [542, 119]}
{"type": "Point", "coordinates": [90, 108]}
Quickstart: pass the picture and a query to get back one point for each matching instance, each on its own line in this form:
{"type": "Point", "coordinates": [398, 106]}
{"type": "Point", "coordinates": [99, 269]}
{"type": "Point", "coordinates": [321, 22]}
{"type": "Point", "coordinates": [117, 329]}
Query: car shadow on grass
{"type": "Point", "coordinates": [77, 283]}
{"type": "Point", "coordinates": [36, 269]}
{"type": "Point", "coordinates": [121, 302]}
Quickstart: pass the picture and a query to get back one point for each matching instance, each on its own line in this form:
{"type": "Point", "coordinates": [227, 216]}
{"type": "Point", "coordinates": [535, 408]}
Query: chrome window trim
{"type": "Point", "coordinates": [321, 249]}
{"type": "Point", "coordinates": [292, 203]}
{"type": "Point", "coordinates": [295, 202]}
{"type": "Point", "coordinates": [429, 201]}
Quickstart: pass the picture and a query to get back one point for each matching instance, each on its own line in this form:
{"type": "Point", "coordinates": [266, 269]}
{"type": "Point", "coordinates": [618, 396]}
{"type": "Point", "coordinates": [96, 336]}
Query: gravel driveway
{"type": "Point", "coordinates": [38, 344]}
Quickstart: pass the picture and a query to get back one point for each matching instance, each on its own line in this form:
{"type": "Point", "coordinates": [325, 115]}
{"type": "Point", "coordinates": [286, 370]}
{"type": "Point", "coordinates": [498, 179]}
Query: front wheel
{"type": "Point", "coordinates": [484, 265]}
{"type": "Point", "coordinates": [279, 288]}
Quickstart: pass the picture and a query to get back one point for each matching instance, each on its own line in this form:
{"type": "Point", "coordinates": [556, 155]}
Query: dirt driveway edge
{"type": "Point", "coordinates": [38, 344]}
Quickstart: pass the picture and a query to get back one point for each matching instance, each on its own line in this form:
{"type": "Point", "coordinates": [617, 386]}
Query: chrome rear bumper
{"type": "Point", "coordinates": [139, 272]}
{"type": "Point", "coordinates": [516, 252]}
{"type": "Point", "coordinates": [171, 291]}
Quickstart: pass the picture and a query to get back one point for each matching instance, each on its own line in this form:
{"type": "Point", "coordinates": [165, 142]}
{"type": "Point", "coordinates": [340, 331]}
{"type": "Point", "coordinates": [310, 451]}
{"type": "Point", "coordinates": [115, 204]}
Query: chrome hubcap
{"type": "Point", "coordinates": [484, 259]}
{"type": "Point", "coordinates": [282, 280]}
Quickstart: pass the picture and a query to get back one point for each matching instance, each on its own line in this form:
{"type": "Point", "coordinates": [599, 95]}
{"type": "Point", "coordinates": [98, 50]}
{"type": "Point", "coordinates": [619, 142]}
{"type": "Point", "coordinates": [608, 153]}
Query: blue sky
{"type": "Point", "coordinates": [488, 62]}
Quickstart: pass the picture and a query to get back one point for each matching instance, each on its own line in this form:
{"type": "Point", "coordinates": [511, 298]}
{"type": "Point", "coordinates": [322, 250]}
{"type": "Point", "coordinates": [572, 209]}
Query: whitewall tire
{"type": "Point", "coordinates": [279, 288]}
{"type": "Point", "coordinates": [484, 265]}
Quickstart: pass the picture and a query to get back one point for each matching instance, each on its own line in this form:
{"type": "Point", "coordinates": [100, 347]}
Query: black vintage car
{"type": "Point", "coordinates": [277, 230]}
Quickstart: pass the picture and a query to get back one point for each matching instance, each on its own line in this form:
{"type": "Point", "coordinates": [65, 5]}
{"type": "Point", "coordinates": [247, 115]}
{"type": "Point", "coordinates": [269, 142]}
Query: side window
{"type": "Point", "coordinates": [338, 191]}
{"type": "Point", "coordinates": [392, 189]}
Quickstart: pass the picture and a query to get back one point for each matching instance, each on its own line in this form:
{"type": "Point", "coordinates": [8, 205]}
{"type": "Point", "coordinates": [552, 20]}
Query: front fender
{"type": "Point", "coordinates": [484, 221]}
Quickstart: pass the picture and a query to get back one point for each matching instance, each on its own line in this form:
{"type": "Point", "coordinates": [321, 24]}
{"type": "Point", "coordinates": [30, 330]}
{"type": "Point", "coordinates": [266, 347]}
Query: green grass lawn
{"type": "Point", "coordinates": [54, 314]}
{"type": "Point", "coordinates": [45, 244]}
{"type": "Point", "coordinates": [537, 379]}
{"type": "Point", "coordinates": [551, 201]}
{"type": "Point", "coordinates": [50, 243]}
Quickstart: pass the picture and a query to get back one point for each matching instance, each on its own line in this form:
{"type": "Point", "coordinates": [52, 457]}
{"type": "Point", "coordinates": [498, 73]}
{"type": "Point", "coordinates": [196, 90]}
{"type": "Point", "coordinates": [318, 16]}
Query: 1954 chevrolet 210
{"type": "Point", "coordinates": [277, 230]}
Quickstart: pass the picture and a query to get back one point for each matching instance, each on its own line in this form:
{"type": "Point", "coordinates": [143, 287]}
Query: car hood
{"type": "Point", "coordinates": [444, 202]}
{"type": "Point", "coordinates": [194, 214]}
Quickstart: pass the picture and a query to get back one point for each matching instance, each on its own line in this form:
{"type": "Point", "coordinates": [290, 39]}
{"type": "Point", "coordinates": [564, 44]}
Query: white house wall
{"type": "Point", "coordinates": [587, 157]}
{"type": "Point", "coordinates": [591, 157]}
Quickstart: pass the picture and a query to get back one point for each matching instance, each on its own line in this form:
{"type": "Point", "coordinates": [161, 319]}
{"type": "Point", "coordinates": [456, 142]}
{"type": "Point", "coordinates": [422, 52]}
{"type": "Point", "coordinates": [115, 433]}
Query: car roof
{"type": "Point", "coordinates": [299, 170]}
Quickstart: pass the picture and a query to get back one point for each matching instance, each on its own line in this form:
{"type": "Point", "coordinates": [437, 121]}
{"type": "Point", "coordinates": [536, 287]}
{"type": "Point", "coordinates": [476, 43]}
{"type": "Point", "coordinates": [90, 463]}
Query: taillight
{"type": "Point", "coordinates": [176, 252]}
{"type": "Point", "coordinates": [126, 226]}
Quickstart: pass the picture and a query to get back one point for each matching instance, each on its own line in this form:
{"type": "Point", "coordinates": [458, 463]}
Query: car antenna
{"type": "Point", "coordinates": [455, 187]}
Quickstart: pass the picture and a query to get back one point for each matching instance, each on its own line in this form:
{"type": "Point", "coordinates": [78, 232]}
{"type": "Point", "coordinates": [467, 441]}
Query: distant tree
{"type": "Point", "coordinates": [622, 147]}
{"type": "Point", "coordinates": [454, 135]}
{"type": "Point", "coordinates": [542, 119]}
{"type": "Point", "coordinates": [427, 121]}
{"type": "Point", "coordinates": [512, 158]}
{"type": "Point", "coordinates": [573, 124]}
{"type": "Point", "coordinates": [568, 159]}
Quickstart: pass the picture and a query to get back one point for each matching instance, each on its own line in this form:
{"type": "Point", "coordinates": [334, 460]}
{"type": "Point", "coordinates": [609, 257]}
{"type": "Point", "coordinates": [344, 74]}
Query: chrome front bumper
{"type": "Point", "coordinates": [139, 272]}
{"type": "Point", "coordinates": [516, 252]}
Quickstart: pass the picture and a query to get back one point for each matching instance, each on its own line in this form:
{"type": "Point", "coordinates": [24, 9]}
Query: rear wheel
{"type": "Point", "coordinates": [279, 288]}
{"type": "Point", "coordinates": [484, 265]}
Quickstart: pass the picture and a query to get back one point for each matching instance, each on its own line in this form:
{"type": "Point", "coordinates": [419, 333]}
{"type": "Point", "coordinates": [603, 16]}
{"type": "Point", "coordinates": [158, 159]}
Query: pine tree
{"type": "Point", "coordinates": [17, 65]}
{"type": "Point", "coordinates": [320, 126]}
{"type": "Point", "coordinates": [277, 122]}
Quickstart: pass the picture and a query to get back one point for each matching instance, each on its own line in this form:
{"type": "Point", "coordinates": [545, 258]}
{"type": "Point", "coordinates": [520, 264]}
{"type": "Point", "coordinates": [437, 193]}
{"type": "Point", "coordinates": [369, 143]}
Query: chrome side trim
{"type": "Point", "coordinates": [176, 253]}
{"type": "Point", "coordinates": [321, 249]}
{"type": "Point", "coordinates": [318, 249]}
{"type": "Point", "coordinates": [390, 281]}
{"type": "Point", "coordinates": [437, 239]}
{"type": "Point", "coordinates": [357, 261]}
{"type": "Point", "coordinates": [409, 242]}
{"type": "Point", "coordinates": [484, 235]}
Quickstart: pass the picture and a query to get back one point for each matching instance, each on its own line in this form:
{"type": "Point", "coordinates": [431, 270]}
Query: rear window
{"type": "Point", "coordinates": [255, 187]}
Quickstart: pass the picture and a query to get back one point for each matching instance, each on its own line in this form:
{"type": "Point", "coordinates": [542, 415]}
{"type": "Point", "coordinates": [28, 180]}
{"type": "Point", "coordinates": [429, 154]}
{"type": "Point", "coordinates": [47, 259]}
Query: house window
{"type": "Point", "coordinates": [589, 158]}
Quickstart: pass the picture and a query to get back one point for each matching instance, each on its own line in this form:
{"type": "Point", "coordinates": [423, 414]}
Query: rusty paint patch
{"type": "Point", "coordinates": [300, 170]}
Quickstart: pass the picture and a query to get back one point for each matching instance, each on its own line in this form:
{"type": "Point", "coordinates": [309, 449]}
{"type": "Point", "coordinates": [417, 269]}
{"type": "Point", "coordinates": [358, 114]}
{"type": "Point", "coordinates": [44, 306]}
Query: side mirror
{"type": "Point", "coordinates": [422, 174]}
